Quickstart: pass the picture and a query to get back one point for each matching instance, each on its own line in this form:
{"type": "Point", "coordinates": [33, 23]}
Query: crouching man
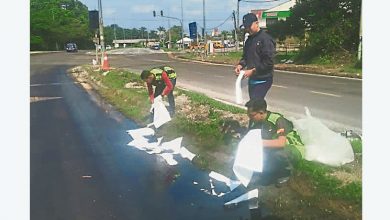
{"type": "Point", "coordinates": [281, 143]}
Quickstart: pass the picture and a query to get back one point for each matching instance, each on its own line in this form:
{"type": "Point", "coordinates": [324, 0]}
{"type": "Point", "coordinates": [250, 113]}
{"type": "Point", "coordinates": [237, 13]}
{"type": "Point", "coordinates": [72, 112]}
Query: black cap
{"type": "Point", "coordinates": [248, 19]}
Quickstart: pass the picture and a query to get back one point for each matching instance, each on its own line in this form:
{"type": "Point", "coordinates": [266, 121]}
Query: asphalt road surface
{"type": "Point", "coordinates": [336, 101]}
{"type": "Point", "coordinates": [81, 166]}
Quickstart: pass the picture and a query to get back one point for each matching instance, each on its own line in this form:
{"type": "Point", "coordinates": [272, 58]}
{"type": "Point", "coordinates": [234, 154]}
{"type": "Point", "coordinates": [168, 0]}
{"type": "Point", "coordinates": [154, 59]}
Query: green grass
{"type": "Point", "coordinates": [283, 56]}
{"type": "Point", "coordinates": [357, 146]}
{"type": "Point", "coordinates": [328, 185]}
{"type": "Point", "coordinates": [198, 98]}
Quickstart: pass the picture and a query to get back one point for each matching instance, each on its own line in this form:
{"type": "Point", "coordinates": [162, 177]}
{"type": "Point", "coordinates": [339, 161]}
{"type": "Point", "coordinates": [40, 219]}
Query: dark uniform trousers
{"type": "Point", "coordinates": [171, 100]}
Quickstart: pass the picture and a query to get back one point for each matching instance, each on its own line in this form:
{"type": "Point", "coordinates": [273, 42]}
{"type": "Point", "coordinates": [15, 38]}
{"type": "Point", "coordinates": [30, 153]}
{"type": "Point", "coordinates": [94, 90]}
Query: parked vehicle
{"type": "Point", "coordinates": [71, 47]}
{"type": "Point", "coordinates": [217, 44]}
{"type": "Point", "coordinates": [196, 46]}
{"type": "Point", "coordinates": [155, 47]}
{"type": "Point", "coordinates": [108, 47]}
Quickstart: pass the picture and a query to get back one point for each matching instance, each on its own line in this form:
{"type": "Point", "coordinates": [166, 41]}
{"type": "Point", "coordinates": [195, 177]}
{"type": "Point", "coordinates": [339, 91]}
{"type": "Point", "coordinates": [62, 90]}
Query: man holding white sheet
{"type": "Point", "coordinates": [280, 141]}
{"type": "Point", "coordinates": [164, 80]}
{"type": "Point", "coordinates": [257, 58]}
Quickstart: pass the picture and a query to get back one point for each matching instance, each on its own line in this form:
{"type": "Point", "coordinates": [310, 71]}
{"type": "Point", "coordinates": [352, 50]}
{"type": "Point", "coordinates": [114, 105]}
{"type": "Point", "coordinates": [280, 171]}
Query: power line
{"type": "Point", "coordinates": [230, 16]}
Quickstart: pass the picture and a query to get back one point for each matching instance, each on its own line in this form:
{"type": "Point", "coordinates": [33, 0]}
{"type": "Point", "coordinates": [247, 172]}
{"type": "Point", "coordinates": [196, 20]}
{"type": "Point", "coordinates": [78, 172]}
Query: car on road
{"type": "Point", "coordinates": [71, 47]}
{"type": "Point", "coordinates": [155, 47]}
{"type": "Point", "coordinates": [108, 47]}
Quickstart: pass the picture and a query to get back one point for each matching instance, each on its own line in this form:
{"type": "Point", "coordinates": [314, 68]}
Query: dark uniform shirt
{"type": "Point", "coordinates": [259, 52]}
{"type": "Point", "coordinates": [271, 131]}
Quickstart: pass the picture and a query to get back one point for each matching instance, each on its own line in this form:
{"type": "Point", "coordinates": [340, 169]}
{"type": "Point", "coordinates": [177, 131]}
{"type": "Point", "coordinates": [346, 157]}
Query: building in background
{"type": "Point", "coordinates": [259, 15]}
{"type": "Point", "coordinates": [277, 13]}
{"type": "Point", "coordinates": [215, 32]}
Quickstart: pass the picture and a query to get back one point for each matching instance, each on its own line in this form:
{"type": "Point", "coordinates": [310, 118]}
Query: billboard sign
{"type": "Point", "coordinates": [193, 30]}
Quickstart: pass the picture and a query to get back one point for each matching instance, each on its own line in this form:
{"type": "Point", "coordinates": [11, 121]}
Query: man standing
{"type": "Point", "coordinates": [164, 79]}
{"type": "Point", "coordinates": [257, 58]}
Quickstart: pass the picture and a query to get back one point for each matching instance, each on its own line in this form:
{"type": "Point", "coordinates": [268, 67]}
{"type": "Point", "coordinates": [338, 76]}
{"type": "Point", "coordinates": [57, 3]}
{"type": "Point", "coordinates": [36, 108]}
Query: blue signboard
{"type": "Point", "coordinates": [193, 30]}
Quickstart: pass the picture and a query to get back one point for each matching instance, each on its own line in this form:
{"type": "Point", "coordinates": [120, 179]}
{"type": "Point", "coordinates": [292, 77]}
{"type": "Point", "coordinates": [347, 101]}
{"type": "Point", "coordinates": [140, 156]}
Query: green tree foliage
{"type": "Point", "coordinates": [324, 26]}
{"type": "Point", "coordinates": [175, 33]}
{"type": "Point", "coordinates": [114, 31]}
{"type": "Point", "coordinates": [53, 23]}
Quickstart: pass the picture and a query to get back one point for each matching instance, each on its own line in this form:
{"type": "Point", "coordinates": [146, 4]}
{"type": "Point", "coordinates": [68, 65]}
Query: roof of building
{"type": "Point", "coordinates": [283, 7]}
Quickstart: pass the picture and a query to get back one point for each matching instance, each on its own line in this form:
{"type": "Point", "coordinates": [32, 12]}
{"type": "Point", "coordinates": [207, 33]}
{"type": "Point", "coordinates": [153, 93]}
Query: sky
{"type": "Point", "coordinates": [139, 13]}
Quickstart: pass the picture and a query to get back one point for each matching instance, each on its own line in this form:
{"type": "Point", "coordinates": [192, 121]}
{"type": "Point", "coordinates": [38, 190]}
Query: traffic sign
{"type": "Point", "coordinates": [193, 30]}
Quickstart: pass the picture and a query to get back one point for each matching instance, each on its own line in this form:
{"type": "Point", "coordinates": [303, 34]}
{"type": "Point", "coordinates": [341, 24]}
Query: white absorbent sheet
{"type": "Point", "coordinates": [173, 145]}
{"type": "Point", "coordinates": [232, 184]}
{"type": "Point", "coordinates": [168, 157]}
{"type": "Point", "coordinates": [249, 156]}
{"type": "Point", "coordinates": [186, 153]}
{"type": "Point", "coordinates": [238, 87]}
{"type": "Point", "coordinates": [142, 144]}
{"type": "Point", "coordinates": [140, 132]}
{"type": "Point", "coordinates": [139, 143]}
{"type": "Point", "coordinates": [161, 114]}
{"type": "Point", "coordinates": [249, 195]}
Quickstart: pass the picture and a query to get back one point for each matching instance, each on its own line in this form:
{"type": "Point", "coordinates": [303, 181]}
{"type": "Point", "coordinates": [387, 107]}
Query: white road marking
{"type": "Point", "coordinates": [328, 94]}
{"type": "Point", "coordinates": [219, 76]}
{"type": "Point", "coordinates": [284, 87]}
{"type": "Point", "coordinates": [319, 75]}
{"type": "Point", "coordinates": [37, 99]}
{"type": "Point", "coordinates": [49, 84]}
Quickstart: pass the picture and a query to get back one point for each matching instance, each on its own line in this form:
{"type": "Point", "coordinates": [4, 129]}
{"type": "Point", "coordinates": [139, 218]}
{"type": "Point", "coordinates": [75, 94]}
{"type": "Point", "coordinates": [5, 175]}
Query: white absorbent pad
{"type": "Point", "coordinates": [238, 87]}
{"type": "Point", "coordinates": [249, 156]}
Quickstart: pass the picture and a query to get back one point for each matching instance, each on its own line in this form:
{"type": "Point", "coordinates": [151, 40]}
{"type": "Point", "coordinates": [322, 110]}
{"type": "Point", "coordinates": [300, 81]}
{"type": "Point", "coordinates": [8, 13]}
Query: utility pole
{"type": "Point", "coordinates": [101, 30]}
{"type": "Point", "coordinates": [169, 34]}
{"type": "Point", "coordinates": [360, 37]}
{"type": "Point", "coordinates": [52, 14]}
{"type": "Point", "coordinates": [114, 29]}
{"type": "Point", "coordinates": [238, 13]}
{"type": "Point", "coordinates": [204, 27]}
{"type": "Point", "coordinates": [235, 30]}
{"type": "Point", "coordinates": [182, 30]}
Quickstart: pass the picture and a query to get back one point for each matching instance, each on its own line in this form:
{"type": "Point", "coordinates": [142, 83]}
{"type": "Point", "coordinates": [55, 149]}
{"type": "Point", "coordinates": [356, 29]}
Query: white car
{"type": "Point", "coordinates": [108, 47]}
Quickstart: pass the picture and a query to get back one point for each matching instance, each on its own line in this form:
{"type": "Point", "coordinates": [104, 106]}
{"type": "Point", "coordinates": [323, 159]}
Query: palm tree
{"type": "Point", "coordinates": [142, 30]}
{"type": "Point", "coordinates": [161, 28]}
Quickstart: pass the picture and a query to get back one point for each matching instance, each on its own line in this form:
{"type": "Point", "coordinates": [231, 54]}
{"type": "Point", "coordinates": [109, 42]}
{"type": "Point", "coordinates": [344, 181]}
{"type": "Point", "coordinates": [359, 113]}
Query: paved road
{"type": "Point", "coordinates": [81, 167]}
{"type": "Point", "coordinates": [336, 101]}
